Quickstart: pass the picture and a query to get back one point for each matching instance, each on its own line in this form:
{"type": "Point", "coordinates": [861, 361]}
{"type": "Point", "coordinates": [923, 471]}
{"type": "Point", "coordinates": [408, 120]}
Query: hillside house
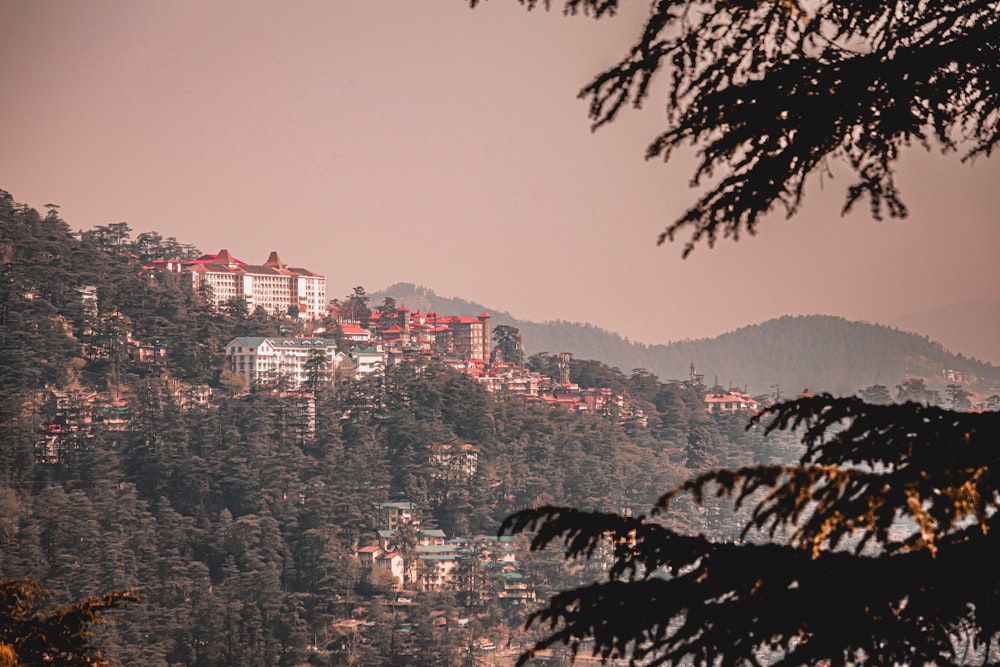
{"type": "Point", "coordinates": [377, 559]}
{"type": "Point", "coordinates": [355, 334]}
{"type": "Point", "coordinates": [730, 401]}
{"type": "Point", "coordinates": [465, 337]}
{"type": "Point", "coordinates": [395, 514]}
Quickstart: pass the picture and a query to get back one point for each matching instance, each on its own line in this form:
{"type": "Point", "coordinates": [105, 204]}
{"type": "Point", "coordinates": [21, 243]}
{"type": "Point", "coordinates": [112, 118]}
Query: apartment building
{"type": "Point", "coordinates": [275, 360]}
{"type": "Point", "coordinates": [467, 337]}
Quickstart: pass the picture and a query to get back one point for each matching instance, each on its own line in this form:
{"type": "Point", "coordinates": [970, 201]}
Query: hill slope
{"type": "Point", "coordinates": [951, 326]}
{"type": "Point", "coordinates": [821, 352]}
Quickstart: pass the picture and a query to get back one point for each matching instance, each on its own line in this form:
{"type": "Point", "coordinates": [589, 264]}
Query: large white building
{"type": "Point", "coordinates": [277, 288]}
{"type": "Point", "coordinates": [266, 361]}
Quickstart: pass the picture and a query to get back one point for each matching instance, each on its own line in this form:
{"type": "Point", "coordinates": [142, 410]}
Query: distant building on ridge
{"type": "Point", "coordinates": [277, 288]}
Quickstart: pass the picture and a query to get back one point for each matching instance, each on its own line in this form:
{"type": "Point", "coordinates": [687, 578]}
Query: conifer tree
{"type": "Point", "coordinates": [876, 543]}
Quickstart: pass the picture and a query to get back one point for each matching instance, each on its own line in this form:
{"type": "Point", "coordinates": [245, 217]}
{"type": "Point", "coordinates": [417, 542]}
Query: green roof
{"type": "Point", "coordinates": [397, 504]}
{"type": "Point", "coordinates": [250, 341]}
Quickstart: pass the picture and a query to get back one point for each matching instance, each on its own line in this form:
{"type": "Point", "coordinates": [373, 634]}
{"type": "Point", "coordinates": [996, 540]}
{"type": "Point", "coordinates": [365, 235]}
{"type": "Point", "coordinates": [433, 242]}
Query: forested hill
{"type": "Point", "coordinates": [819, 352]}
{"type": "Point", "coordinates": [241, 512]}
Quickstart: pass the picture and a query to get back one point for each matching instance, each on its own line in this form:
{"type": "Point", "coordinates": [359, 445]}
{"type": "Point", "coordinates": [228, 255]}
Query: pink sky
{"type": "Point", "coordinates": [378, 142]}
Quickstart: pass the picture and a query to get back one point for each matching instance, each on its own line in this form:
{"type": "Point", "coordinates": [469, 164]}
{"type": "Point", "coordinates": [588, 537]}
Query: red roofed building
{"type": "Point", "coordinates": [274, 286]}
{"type": "Point", "coordinates": [469, 336]}
{"type": "Point", "coordinates": [731, 401]}
{"type": "Point", "coordinates": [367, 555]}
{"type": "Point", "coordinates": [356, 334]}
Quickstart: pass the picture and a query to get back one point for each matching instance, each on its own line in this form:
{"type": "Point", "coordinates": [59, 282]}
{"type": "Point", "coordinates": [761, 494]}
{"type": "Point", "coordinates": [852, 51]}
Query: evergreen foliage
{"type": "Point", "coordinates": [872, 544]}
{"type": "Point", "coordinates": [30, 636]}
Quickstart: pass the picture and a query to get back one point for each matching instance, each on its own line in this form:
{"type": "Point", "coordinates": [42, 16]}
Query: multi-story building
{"type": "Point", "coordinates": [274, 286]}
{"type": "Point", "coordinates": [276, 360]}
{"type": "Point", "coordinates": [393, 515]}
{"type": "Point", "coordinates": [467, 337]}
{"type": "Point", "coordinates": [366, 360]}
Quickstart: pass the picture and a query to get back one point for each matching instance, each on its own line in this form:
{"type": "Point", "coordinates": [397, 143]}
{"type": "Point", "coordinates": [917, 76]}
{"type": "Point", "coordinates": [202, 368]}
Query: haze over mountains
{"type": "Point", "coordinates": [819, 352]}
{"type": "Point", "coordinates": [972, 327]}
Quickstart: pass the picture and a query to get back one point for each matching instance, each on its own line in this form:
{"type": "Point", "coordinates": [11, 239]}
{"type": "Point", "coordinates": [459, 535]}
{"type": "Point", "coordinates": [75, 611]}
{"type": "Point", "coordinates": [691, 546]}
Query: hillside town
{"type": "Point", "coordinates": [365, 342]}
{"type": "Point", "coordinates": [332, 340]}
{"type": "Point", "coordinates": [665, 416]}
{"type": "Point", "coordinates": [351, 460]}
{"type": "Point", "coordinates": [329, 342]}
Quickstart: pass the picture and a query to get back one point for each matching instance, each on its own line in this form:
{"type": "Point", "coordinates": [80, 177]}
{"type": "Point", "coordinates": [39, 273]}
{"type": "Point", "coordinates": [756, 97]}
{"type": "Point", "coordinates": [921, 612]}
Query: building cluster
{"type": "Point", "coordinates": [379, 339]}
{"type": "Point", "coordinates": [72, 418]}
{"type": "Point", "coordinates": [356, 345]}
{"type": "Point", "coordinates": [405, 555]}
{"type": "Point", "coordinates": [292, 363]}
{"type": "Point", "coordinates": [405, 335]}
{"type": "Point", "coordinates": [952, 376]}
{"type": "Point", "coordinates": [367, 345]}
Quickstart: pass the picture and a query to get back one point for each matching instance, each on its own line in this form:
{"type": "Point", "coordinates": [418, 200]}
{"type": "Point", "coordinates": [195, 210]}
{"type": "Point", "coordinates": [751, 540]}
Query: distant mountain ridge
{"type": "Point", "coordinates": [819, 352]}
{"type": "Point", "coordinates": [949, 324]}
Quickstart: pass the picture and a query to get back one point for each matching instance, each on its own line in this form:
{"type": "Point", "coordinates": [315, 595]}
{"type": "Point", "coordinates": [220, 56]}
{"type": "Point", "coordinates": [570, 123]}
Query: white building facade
{"type": "Point", "coordinates": [277, 288]}
{"type": "Point", "coordinates": [266, 361]}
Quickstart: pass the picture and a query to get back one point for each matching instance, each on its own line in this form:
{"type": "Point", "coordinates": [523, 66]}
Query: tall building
{"type": "Point", "coordinates": [277, 288]}
{"type": "Point", "coordinates": [469, 336]}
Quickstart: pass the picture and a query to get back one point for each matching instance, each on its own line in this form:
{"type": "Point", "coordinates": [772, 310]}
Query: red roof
{"type": "Point", "coordinates": [214, 259]}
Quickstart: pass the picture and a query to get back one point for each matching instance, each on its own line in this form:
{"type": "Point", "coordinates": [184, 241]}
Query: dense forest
{"type": "Point", "coordinates": [822, 353]}
{"type": "Point", "coordinates": [240, 528]}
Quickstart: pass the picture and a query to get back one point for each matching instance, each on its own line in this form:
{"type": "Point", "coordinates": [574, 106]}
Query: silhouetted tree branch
{"type": "Point", "coordinates": [873, 543]}
{"type": "Point", "coordinates": [29, 636]}
{"type": "Point", "coordinates": [772, 91]}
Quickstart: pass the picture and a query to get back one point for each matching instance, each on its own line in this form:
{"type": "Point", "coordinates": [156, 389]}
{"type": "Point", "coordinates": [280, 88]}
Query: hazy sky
{"type": "Point", "coordinates": [379, 141]}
